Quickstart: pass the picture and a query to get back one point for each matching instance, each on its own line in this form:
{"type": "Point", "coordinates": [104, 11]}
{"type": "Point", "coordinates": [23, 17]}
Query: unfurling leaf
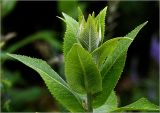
{"type": "Point", "coordinates": [88, 36]}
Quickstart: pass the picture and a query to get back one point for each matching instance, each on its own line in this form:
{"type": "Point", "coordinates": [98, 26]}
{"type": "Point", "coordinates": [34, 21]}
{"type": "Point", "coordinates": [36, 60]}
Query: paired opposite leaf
{"type": "Point", "coordinates": [56, 85]}
{"type": "Point", "coordinates": [113, 67]}
{"type": "Point", "coordinates": [70, 37]}
{"type": "Point", "coordinates": [140, 105]}
{"type": "Point", "coordinates": [81, 72]}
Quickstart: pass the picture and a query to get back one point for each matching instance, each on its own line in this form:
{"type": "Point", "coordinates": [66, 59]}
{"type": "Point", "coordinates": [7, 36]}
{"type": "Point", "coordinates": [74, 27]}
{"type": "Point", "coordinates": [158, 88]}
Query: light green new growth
{"type": "Point", "coordinates": [92, 68]}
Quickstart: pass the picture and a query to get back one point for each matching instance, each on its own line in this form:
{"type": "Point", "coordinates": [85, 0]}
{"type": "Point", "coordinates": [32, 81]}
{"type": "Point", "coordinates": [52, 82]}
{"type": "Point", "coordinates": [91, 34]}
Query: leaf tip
{"type": "Point", "coordinates": [145, 23]}
{"type": "Point", "coordinates": [105, 9]}
{"type": "Point", "coordinates": [64, 14]}
{"type": "Point", "coordinates": [8, 54]}
{"type": "Point", "coordinates": [61, 18]}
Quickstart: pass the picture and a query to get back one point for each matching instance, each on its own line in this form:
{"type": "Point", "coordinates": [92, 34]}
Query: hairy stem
{"type": "Point", "coordinates": [89, 102]}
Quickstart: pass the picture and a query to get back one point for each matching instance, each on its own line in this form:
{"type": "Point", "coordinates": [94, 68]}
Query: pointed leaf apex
{"type": "Point", "coordinates": [143, 24]}
{"type": "Point", "coordinates": [61, 18]}
{"type": "Point", "coordinates": [63, 14]}
{"type": "Point", "coordinates": [80, 15]}
{"type": "Point", "coordinates": [105, 9]}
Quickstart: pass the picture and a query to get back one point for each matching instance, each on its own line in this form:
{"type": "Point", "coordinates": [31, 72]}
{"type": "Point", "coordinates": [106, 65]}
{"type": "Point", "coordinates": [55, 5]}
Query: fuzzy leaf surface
{"type": "Point", "coordinates": [82, 73]}
{"type": "Point", "coordinates": [140, 105]}
{"type": "Point", "coordinates": [56, 85]}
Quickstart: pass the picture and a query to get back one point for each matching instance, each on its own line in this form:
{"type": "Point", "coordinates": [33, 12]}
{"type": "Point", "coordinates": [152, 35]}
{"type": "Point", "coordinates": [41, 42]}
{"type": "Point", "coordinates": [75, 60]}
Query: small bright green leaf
{"type": "Point", "coordinates": [109, 105]}
{"type": "Point", "coordinates": [81, 72]}
{"type": "Point", "coordinates": [104, 51]}
{"type": "Point", "coordinates": [101, 21]}
{"type": "Point", "coordinates": [70, 37]}
{"type": "Point", "coordinates": [89, 36]}
{"type": "Point", "coordinates": [80, 15]}
{"type": "Point", "coordinates": [109, 82]}
{"type": "Point", "coordinates": [140, 105]}
{"type": "Point", "coordinates": [56, 85]}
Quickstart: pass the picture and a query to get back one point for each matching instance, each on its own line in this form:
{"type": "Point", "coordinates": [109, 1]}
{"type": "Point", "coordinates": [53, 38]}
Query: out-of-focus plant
{"type": "Point", "coordinates": [111, 20]}
{"type": "Point", "coordinates": [14, 99]}
{"type": "Point", "coordinates": [68, 6]}
{"type": "Point", "coordinates": [46, 36]}
{"type": "Point", "coordinates": [7, 6]}
{"type": "Point", "coordinates": [92, 67]}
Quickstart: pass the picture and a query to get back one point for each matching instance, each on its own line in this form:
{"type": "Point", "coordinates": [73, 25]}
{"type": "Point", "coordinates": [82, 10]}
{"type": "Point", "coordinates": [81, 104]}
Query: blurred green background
{"type": "Point", "coordinates": [31, 28]}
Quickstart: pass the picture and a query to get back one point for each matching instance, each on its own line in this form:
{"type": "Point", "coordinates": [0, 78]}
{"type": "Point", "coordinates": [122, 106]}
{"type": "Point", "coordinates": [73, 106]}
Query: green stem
{"type": "Point", "coordinates": [89, 102]}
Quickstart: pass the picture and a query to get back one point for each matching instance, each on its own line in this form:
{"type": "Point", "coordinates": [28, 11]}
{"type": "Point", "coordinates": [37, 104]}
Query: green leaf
{"type": "Point", "coordinates": [109, 82]}
{"type": "Point", "coordinates": [109, 105]}
{"type": "Point", "coordinates": [104, 51]}
{"type": "Point", "coordinates": [113, 67]}
{"type": "Point", "coordinates": [134, 32]}
{"type": "Point", "coordinates": [122, 47]}
{"type": "Point", "coordinates": [89, 35]}
{"type": "Point", "coordinates": [81, 72]}
{"type": "Point", "coordinates": [70, 37]}
{"type": "Point", "coordinates": [100, 18]}
{"type": "Point", "coordinates": [56, 85]}
{"type": "Point", "coordinates": [140, 105]}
